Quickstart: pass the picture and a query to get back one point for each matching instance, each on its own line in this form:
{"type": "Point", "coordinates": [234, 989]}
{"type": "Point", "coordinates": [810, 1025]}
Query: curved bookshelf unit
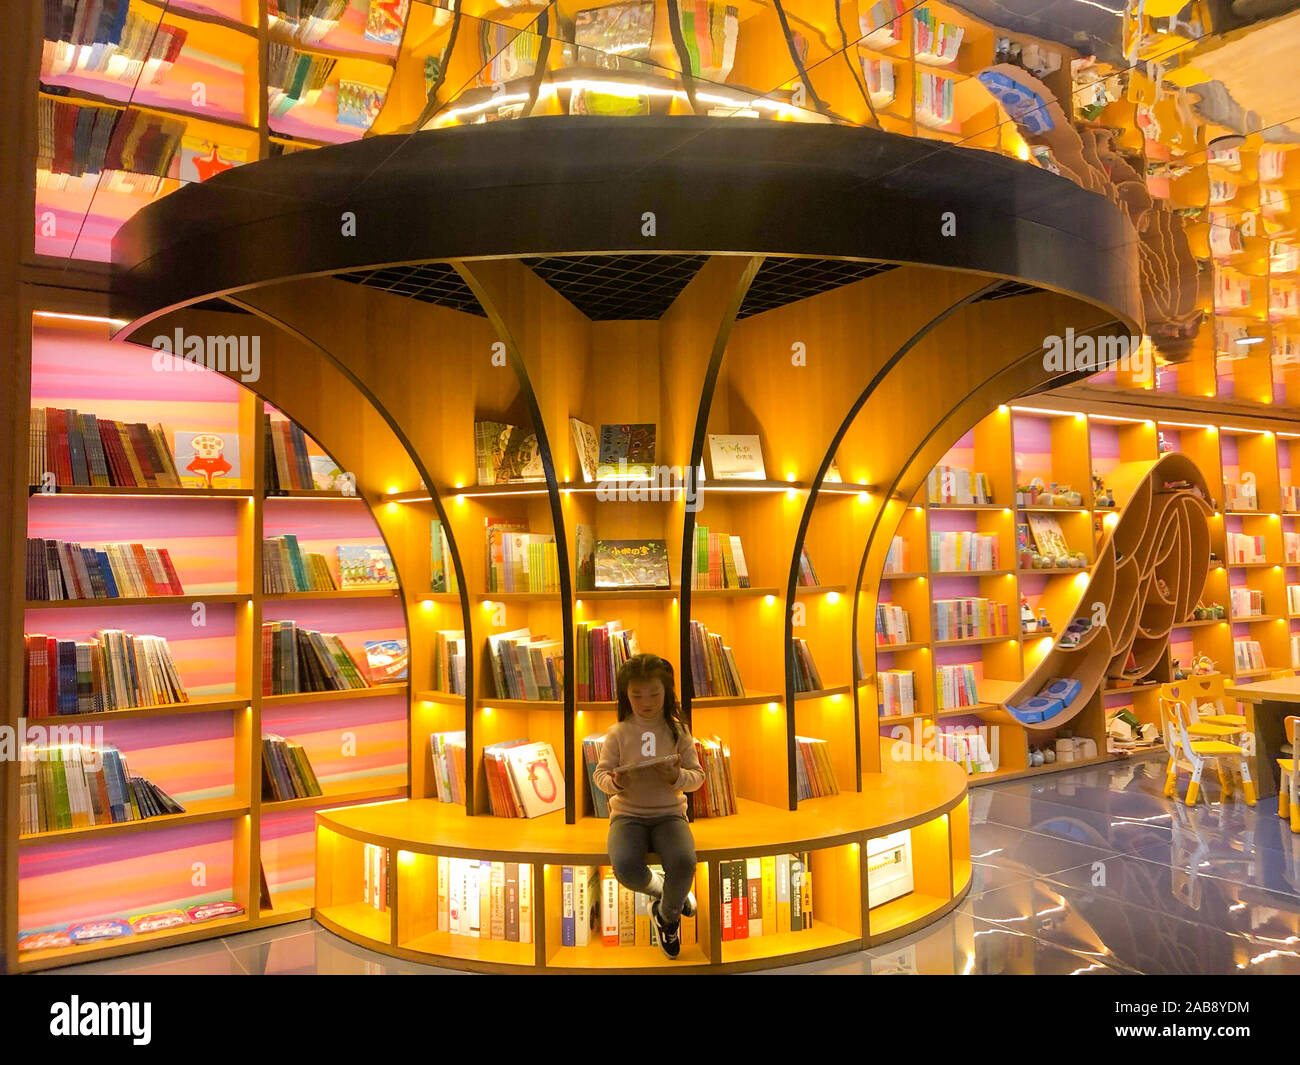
{"type": "Point", "coordinates": [927, 800]}
{"type": "Point", "coordinates": [1150, 573]}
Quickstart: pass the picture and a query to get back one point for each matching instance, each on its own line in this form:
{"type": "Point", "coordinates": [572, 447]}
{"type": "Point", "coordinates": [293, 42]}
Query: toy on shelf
{"type": "Point", "coordinates": [1102, 495]}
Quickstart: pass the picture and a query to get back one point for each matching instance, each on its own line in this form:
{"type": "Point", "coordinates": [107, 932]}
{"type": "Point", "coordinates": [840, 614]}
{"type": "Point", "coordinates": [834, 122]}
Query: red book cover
{"type": "Point", "coordinates": [138, 434]}
{"type": "Point", "coordinates": [52, 672]}
{"type": "Point", "coordinates": [728, 911]}
{"type": "Point", "coordinates": [145, 570]}
{"type": "Point", "coordinates": [739, 899]}
{"type": "Point", "coordinates": [289, 470]}
{"type": "Point", "coordinates": [108, 438]}
{"type": "Point", "coordinates": [57, 447]}
{"type": "Point", "coordinates": [267, 662]}
{"type": "Point", "coordinates": [172, 576]}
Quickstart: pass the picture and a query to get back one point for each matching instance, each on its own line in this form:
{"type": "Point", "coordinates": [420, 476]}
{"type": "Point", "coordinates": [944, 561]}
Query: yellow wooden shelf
{"type": "Point", "coordinates": [374, 692]}
{"type": "Point", "coordinates": [819, 589]}
{"type": "Point", "coordinates": [498, 951]}
{"type": "Point", "coordinates": [970, 572]}
{"type": "Point", "coordinates": [360, 918]}
{"type": "Point", "coordinates": [596, 956]}
{"type": "Point", "coordinates": [972, 641]}
{"type": "Point", "coordinates": [31, 960]}
{"type": "Point", "coordinates": [195, 813]}
{"type": "Point", "coordinates": [144, 600]}
{"type": "Point", "coordinates": [903, 576]}
{"type": "Point", "coordinates": [433, 696]}
{"type": "Point", "coordinates": [390, 791]}
{"type": "Point", "coordinates": [337, 593]}
{"type": "Point", "coordinates": [900, 913]}
{"type": "Point", "coordinates": [823, 693]}
{"type": "Point", "coordinates": [197, 705]}
{"type": "Point", "coordinates": [725, 593]}
{"type": "Point", "coordinates": [886, 648]}
{"type": "Point", "coordinates": [783, 944]}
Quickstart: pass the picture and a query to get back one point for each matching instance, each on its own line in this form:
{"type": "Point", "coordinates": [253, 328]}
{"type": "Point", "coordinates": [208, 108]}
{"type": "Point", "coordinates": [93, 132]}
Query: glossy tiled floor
{"type": "Point", "coordinates": [1086, 872]}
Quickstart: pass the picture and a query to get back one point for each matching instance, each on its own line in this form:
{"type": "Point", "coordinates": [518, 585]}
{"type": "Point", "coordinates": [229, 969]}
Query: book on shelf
{"type": "Point", "coordinates": [627, 452]}
{"type": "Point", "coordinates": [108, 37]}
{"type": "Point", "coordinates": [600, 649]}
{"type": "Point", "coordinates": [616, 916]}
{"type": "Point", "coordinates": [520, 561]}
{"type": "Point", "coordinates": [880, 23]}
{"type": "Point", "coordinates": [590, 756]}
{"type": "Point", "coordinates": [967, 747]}
{"type": "Point", "coordinates": [290, 466]}
{"type": "Point", "coordinates": [1290, 492]}
{"type": "Point", "coordinates": [935, 40]}
{"type": "Point", "coordinates": [506, 53]}
{"type": "Point", "coordinates": [1295, 650]}
{"type": "Point", "coordinates": [112, 671]}
{"type": "Point", "coordinates": [442, 572]}
{"type": "Point", "coordinates": [955, 687]}
{"type": "Point", "coordinates": [525, 666]}
{"type": "Point", "coordinates": [813, 768]}
{"type": "Point", "coordinates": [1246, 602]}
{"type": "Point", "coordinates": [76, 786]}
{"type": "Point", "coordinates": [710, 30]}
{"type": "Point", "coordinates": [892, 625]}
{"type": "Point", "coordinates": [766, 896]}
{"type": "Point", "coordinates": [374, 884]}
{"type": "Point", "coordinates": [807, 574]}
{"type": "Point", "coordinates": [584, 557]}
{"type": "Point", "coordinates": [897, 560]}
{"type": "Point", "coordinates": [286, 567]}
{"type": "Point", "coordinates": [806, 677]}
{"type": "Point", "coordinates": [627, 564]}
{"type": "Point", "coordinates": [896, 692]}
{"type": "Point", "coordinates": [969, 618]}
{"type": "Point", "coordinates": [713, 666]}
{"type": "Point", "coordinates": [308, 20]}
{"type": "Point", "coordinates": [59, 570]}
{"type": "Point", "coordinates": [717, 560]}
{"type": "Point", "coordinates": [73, 449]}
{"type": "Point", "coordinates": [286, 771]}
{"type": "Point", "coordinates": [879, 77]}
{"type": "Point", "coordinates": [586, 440]}
{"type": "Point", "coordinates": [1247, 655]}
{"type": "Point", "coordinates": [486, 900]}
{"type": "Point", "coordinates": [717, 798]}
{"type": "Point", "coordinates": [293, 76]}
{"type": "Point", "coordinates": [494, 533]}
{"type": "Point", "coordinates": [954, 484]}
{"type": "Point", "coordinates": [297, 660]}
{"type": "Point", "coordinates": [387, 661]}
{"type": "Point", "coordinates": [966, 552]}
{"type": "Point", "coordinates": [1048, 536]}
{"type": "Point", "coordinates": [366, 566]}
{"type": "Point", "coordinates": [524, 779]}
{"type": "Point", "coordinates": [448, 752]}
{"type": "Point", "coordinates": [934, 99]}
{"type": "Point", "coordinates": [207, 460]}
{"type": "Point", "coordinates": [506, 453]}
{"type": "Point", "coordinates": [1243, 496]}
{"type": "Point", "coordinates": [735, 458]}
{"type": "Point", "coordinates": [358, 103]}
{"type": "Point", "coordinates": [1246, 549]}
{"type": "Point", "coordinates": [386, 20]}
{"type": "Point", "coordinates": [449, 661]}
{"type": "Point", "coordinates": [1291, 548]}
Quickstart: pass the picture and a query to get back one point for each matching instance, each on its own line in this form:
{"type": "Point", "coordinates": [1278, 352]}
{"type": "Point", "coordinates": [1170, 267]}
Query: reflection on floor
{"type": "Point", "coordinates": [1089, 872]}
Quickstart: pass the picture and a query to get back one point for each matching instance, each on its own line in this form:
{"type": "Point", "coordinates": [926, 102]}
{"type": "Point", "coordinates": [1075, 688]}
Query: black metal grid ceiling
{"type": "Point", "coordinates": [1007, 289]}
{"type": "Point", "coordinates": [781, 280]}
{"type": "Point", "coordinates": [618, 287]}
{"type": "Point", "coordinates": [427, 282]}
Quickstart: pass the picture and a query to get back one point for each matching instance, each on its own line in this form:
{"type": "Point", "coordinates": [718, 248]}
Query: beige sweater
{"type": "Point", "coordinates": [645, 793]}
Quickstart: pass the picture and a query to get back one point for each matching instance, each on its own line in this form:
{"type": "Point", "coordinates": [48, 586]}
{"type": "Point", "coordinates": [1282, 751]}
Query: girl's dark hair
{"type": "Point", "coordinates": [651, 667]}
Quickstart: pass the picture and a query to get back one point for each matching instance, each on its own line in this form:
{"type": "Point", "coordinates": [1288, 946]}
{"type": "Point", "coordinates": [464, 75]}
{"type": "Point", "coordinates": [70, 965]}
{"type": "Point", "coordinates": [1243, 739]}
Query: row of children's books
{"type": "Point", "coordinates": [1242, 496]}
{"type": "Point", "coordinates": [286, 567]}
{"type": "Point", "coordinates": [601, 648]}
{"type": "Point", "coordinates": [80, 449]}
{"type": "Point", "coordinates": [442, 574]}
{"type": "Point", "coordinates": [968, 748]}
{"type": "Point", "coordinates": [955, 687]}
{"type": "Point", "coordinates": [295, 659]}
{"type": "Point", "coordinates": [892, 624]}
{"type": "Point", "coordinates": [717, 560]}
{"type": "Point", "coordinates": [108, 37]}
{"type": "Point", "coordinates": [970, 617]}
{"type": "Point", "coordinates": [766, 896]}
{"type": "Point", "coordinates": [814, 771]}
{"type": "Point", "coordinates": [968, 552]}
{"type": "Point", "coordinates": [806, 676]}
{"type": "Point", "coordinates": [713, 667]}
{"type": "Point", "coordinates": [896, 692]}
{"type": "Point", "coordinates": [898, 559]}
{"type": "Point", "coordinates": [596, 908]}
{"type": "Point", "coordinates": [953, 484]}
{"type": "Point", "coordinates": [486, 900]}
{"type": "Point", "coordinates": [1247, 655]}
{"type": "Point", "coordinates": [1293, 599]}
{"type": "Point", "coordinates": [449, 661]}
{"type": "Point", "coordinates": [524, 779]}
{"type": "Point", "coordinates": [525, 666]}
{"type": "Point", "coordinates": [448, 752]}
{"type": "Point", "coordinates": [289, 464]}
{"type": "Point", "coordinates": [58, 569]}
{"type": "Point", "coordinates": [1243, 548]}
{"type": "Point", "coordinates": [75, 786]}
{"type": "Point", "coordinates": [935, 41]}
{"type": "Point", "coordinates": [520, 561]}
{"type": "Point", "coordinates": [286, 770]}
{"type": "Point", "coordinates": [113, 671]}
{"type": "Point", "coordinates": [1246, 602]}
{"type": "Point", "coordinates": [807, 574]}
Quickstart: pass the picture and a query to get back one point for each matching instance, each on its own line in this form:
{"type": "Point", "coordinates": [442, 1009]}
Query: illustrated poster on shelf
{"type": "Point", "coordinates": [386, 20]}
{"type": "Point", "coordinates": [626, 450]}
{"type": "Point", "coordinates": [200, 158]}
{"type": "Point", "coordinates": [736, 458]}
{"type": "Point", "coordinates": [506, 453]}
{"type": "Point", "coordinates": [388, 660]}
{"type": "Point", "coordinates": [207, 460]}
{"type": "Point", "coordinates": [326, 474]}
{"type": "Point", "coordinates": [366, 567]}
{"type": "Point", "coordinates": [1048, 536]}
{"type": "Point", "coordinates": [359, 104]}
{"type": "Point", "coordinates": [631, 564]}
{"type": "Point", "coordinates": [587, 442]}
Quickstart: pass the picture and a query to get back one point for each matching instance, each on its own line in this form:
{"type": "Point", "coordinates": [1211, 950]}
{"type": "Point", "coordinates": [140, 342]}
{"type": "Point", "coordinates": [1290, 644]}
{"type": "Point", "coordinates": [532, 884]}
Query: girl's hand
{"type": "Point", "coordinates": [668, 770]}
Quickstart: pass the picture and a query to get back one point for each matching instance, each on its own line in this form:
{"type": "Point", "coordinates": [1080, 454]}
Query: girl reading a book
{"type": "Point", "coordinates": [647, 762]}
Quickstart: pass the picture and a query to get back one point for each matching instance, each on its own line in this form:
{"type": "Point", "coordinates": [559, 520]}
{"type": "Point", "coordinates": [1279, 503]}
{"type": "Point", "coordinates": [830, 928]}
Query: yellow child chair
{"type": "Point", "coordinates": [1288, 795]}
{"type": "Point", "coordinates": [1202, 699]}
{"type": "Point", "coordinates": [1185, 752]}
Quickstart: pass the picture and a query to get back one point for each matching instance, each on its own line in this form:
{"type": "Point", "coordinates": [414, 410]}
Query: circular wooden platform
{"type": "Point", "coordinates": [928, 798]}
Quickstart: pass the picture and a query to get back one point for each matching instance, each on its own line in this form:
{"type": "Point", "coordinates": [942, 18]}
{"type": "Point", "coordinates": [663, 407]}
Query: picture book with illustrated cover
{"type": "Point", "coordinates": [632, 564]}
{"type": "Point", "coordinates": [584, 558]}
{"type": "Point", "coordinates": [327, 475]}
{"type": "Point", "coordinates": [207, 460]}
{"type": "Point", "coordinates": [367, 566]}
{"type": "Point", "coordinates": [587, 442]}
{"type": "Point", "coordinates": [737, 458]}
{"type": "Point", "coordinates": [388, 660]}
{"type": "Point", "coordinates": [626, 451]}
{"type": "Point", "coordinates": [506, 453]}
{"type": "Point", "coordinates": [1048, 536]}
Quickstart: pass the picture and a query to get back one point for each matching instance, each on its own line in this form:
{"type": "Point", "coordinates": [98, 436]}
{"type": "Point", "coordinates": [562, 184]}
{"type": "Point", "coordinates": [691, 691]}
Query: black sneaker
{"type": "Point", "coordinates": [688, 907]}
{"type": "Point", "coordinates": [670, 936]}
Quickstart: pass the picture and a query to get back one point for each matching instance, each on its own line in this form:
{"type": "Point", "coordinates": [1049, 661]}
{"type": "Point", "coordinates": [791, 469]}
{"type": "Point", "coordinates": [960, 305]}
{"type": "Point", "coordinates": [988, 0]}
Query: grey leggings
{"type": "Point", "coordinates": [631, 838]}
